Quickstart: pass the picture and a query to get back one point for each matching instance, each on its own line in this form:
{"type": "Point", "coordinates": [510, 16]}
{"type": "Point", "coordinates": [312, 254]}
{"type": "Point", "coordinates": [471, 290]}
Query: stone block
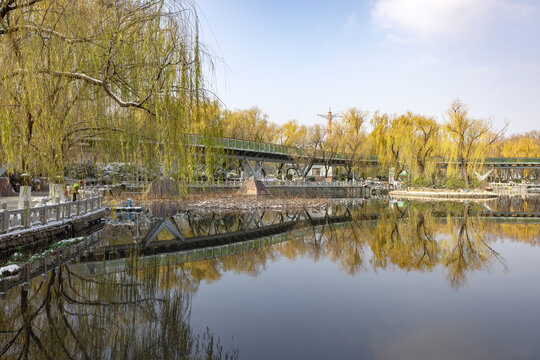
{"type": "Point", "coordinates": [5, 187]}
{"type": "Point", "coordinates": [253, 187]}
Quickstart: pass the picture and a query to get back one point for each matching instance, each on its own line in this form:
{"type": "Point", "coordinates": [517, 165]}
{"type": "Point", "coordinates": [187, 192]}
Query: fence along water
{"type": "Point", "coordinates": [20, 219]}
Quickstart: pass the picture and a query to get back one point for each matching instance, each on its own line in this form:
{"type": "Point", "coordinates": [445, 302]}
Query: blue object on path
{"type": "Point", "coordinates": [128, 204]}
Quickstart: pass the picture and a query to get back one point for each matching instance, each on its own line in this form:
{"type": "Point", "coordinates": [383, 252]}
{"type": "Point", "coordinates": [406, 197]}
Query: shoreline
{"type": "Point", "coordinates": [442, 195]}
{"type": "Point", "coordinates": [236, 203]}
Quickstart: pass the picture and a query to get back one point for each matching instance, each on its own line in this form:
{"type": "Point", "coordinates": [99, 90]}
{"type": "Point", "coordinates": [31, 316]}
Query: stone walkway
{"type": "Point", "coordinates": [12, 201]}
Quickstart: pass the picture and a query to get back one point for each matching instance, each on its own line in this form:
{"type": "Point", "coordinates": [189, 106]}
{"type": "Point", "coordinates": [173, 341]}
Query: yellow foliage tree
{"type": "Point", "coordinates": [391, 136]}
{"type": "Point", "coordinates": [251, 124]}
{"type": "Point", "coordinates": [423, 143]}
{"type": "Point", "coordinates": [468, 139]}
{"type": "Point", "coordinates": [351, 137]}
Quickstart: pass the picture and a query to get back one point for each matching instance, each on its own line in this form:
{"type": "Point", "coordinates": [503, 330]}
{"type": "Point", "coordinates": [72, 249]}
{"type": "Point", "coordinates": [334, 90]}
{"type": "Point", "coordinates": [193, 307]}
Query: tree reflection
{"type": "Point", "coordinates": [68, 316]}
{"type": "Point", "coordinates": [421, 237]}
{"type": "Point", "coordinates": [142, 310]}
{"type": "Point", "coordinates": [404, 239]}
{"type": "Point", "coordinates": [465, 247]}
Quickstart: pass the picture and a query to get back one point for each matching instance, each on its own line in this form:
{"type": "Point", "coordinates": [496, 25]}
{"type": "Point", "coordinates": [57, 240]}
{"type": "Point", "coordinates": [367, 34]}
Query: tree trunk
{"type": "Point", "coordinates": [466, 177]}
{"type": "Point", "coordinates": [421, 167]}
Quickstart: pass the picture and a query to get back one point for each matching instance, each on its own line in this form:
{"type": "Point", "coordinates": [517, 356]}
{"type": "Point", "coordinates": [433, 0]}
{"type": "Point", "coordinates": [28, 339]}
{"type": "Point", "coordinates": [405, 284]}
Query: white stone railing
{"type": "Point", "coordinates": [13, 220]}
{"type": "Point", "coordinates": [314, 183]}
{"type": "Point", "coordinates": [513, 185]}
{"type": "Point", "coordinates": [224, 184]}
{"type": "Point", "coordinates": [295, 183]}
{"type": "Point", "coordinates": [24, 273]}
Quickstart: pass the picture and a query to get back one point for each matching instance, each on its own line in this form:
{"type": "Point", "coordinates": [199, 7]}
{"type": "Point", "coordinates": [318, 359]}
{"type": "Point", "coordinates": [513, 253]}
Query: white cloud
{"type": "Point", "coordinates": [411, 20]}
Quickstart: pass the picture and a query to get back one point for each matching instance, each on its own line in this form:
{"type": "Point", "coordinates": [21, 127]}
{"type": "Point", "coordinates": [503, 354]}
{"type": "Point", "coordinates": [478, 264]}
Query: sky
{"type": "Point", "coordinates": [296, 59]}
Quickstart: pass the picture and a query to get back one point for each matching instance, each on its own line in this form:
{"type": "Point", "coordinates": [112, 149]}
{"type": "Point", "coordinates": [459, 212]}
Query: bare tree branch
{"type": "Point", "coordinates": [90, 80]}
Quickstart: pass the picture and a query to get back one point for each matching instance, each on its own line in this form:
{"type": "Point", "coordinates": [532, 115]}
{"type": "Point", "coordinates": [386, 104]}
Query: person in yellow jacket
{"type": "Point", "coordinates": [75, 189]}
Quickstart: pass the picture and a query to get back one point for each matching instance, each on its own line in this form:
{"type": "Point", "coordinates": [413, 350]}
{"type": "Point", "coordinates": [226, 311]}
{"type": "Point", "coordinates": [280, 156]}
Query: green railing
{"type": "Point", "coordinates": [239, 144]}
{"type": "Point", "coordinates": [513, 160]}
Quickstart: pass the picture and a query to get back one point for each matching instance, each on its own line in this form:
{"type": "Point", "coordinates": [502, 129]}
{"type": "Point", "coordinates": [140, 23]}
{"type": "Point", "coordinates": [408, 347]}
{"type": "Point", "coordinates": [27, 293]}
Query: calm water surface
{"type": "Point", "coordinates": [372, 280]}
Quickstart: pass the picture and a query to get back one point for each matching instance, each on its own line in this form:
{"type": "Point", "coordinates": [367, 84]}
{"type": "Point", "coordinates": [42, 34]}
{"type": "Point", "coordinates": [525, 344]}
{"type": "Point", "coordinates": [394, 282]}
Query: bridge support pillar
{"type": "Point", "coordinates": [302, 170]}
{"type": "Point", "coordinates": [251, 171]}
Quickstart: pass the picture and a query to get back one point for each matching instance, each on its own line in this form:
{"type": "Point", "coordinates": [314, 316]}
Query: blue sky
{"type": "Point", "coordinates": [295, 59]}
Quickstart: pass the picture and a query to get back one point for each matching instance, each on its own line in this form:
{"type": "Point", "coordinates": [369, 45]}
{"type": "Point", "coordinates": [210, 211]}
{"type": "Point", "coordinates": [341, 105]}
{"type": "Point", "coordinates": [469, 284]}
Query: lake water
{"type": "Point", "coordinates": [367, 280]}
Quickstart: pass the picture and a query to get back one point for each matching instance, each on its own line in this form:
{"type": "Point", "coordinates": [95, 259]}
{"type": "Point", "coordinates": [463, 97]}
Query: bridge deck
{"type": "Point", "coordinates": [253, 150]}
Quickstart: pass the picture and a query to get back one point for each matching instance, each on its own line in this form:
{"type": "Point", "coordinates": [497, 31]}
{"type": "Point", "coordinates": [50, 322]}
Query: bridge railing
{"type": "Point", "coordinates": [19, 219]}
{"type": "Point", "coordinates": [240, 144]}
{"type": "Point", "coordinates": [513, 160]}
{"type": "Point", "coordinates": [496, 160]}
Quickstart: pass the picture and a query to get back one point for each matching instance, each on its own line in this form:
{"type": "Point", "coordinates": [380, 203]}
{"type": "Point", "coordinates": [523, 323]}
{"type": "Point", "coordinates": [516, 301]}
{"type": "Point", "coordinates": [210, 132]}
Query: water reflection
{"type": "Point", "coordinates": [520, 203]}
{"type": "Point", "coordinates": [453, 237]}
{"type": "Point", "coordinates": [65, 315]}
{"type": "Point", "coordinates": [138, 305]}
{"type": "Point", "coordinates": [421, 237]}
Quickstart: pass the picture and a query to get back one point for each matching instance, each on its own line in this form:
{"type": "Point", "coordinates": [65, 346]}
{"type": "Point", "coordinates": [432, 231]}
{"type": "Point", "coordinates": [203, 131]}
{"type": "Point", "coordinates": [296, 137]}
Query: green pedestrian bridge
{"type": "Point", "coordinates": [260, 152]}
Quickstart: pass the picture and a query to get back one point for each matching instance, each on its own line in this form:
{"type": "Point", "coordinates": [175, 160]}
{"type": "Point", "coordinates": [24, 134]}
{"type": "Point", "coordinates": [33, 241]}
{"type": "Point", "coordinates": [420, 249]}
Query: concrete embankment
{"type": "Point", "coordinates": [303, 191]}
{"type": "Point", "coordinates": [37, 236]}
{"type": "Point", "coordinates": [443, 195]}
{"type": "Point", "coordinates": [328, 191]}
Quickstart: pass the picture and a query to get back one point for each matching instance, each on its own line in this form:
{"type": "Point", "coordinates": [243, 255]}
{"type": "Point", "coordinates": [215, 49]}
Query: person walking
{"type": "Point", "coordinates": [75, 189]}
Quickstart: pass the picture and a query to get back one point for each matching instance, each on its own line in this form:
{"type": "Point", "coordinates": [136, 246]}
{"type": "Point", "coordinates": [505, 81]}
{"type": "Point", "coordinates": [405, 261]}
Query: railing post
{"type": "Point", "coordinates": [28, 273]}
{"type": "Point", "coordinates": [4, 218]}
{"type": "Point", "coordinates": [58, 211]}
{"type": "Point", "coordinates": [78, 207]}
{"type": "Point", "coordinates": [26, 217]}
{"type": "Point", "coordinates": [43, 215]}
{"type": "Point", "coordinates": [67, 215]}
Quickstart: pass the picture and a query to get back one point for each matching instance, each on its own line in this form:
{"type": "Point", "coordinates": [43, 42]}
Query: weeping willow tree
{"type": "Point", "coordinates": [391, 136]}
{"type": "Point", "coordinates": [468, 140]}
{"type": "Point", "coordinates": [117, 80]}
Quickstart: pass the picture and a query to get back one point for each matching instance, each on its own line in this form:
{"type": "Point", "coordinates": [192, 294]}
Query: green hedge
{"type": "Point", "coordinates": [422, 182]}
{"type": "Point", "coordinates": [459, 183]}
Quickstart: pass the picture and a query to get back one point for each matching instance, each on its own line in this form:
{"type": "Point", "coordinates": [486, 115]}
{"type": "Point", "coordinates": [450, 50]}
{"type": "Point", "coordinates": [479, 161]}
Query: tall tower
{"type": "Point", "coordinates": [329, 120]}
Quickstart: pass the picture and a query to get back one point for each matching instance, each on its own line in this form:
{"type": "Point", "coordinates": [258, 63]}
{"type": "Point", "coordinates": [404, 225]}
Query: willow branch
{"type": "Point", "coordinates": [90, 80]}
{"type": "Point", "coordinates": [11, 5]}
{"type": "Point", "coordinates": [39, 30]}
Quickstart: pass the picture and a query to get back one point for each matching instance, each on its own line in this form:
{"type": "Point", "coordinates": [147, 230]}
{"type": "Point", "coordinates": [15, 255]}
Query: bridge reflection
{"type": "Point", "coordinates": [357, 235]}
{"type": "Point", "coordinates": [189, 230]}
{"type": "Point", "coordinates": [413, 236]}
{"type": "Point", "coordinates": [173, 229]}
